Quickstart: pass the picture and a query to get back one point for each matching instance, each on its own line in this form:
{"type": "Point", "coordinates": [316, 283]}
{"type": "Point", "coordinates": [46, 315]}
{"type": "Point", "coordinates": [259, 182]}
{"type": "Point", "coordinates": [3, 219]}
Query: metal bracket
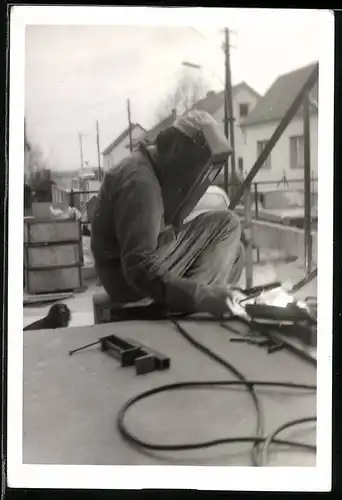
{"type": "Point", "coordinates": [131, 353]}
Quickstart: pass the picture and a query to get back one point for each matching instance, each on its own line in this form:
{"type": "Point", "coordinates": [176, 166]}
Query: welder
{"type": "Point", "coordinates": [141, 246]}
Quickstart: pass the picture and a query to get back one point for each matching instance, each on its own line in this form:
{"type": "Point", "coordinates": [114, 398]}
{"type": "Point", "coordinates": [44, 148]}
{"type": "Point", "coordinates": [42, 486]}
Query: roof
{"type": "Point", "coordinates": [211, 103]}
{"type": "Point", "coordinates": [274, 104]}
{"type": "Point", "coordinates": [120, 138]}
{"type": "Point", "coordinates": [151, 135]}
{"type": "Point", "coordinates": [215, 100]}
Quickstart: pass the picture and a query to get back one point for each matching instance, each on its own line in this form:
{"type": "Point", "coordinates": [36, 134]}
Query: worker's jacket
{"type": "Point", "coordinates": [126, 224]}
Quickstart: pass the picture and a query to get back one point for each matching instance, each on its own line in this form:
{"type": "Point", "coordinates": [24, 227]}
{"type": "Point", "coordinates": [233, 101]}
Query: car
{"type": "Point", "coordinates": [285, 206]}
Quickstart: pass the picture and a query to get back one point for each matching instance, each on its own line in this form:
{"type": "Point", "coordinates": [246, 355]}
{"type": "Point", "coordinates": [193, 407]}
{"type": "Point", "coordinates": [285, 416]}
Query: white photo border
{"type": "Point", "coordinates": [166, 477]}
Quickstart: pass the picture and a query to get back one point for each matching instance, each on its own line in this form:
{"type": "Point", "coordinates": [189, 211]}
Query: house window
{"type": "Point", "coordinates": [243, 110]}
{"type": "Point", "coordinates": [297, 151]}
{"type": "Point", "coordinates": [260, 147]}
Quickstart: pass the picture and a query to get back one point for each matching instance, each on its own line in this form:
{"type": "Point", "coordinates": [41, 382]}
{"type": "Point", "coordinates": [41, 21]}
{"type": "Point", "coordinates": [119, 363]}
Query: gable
{"type": "Point", "coordinates": [214, 101]}
{"type": "Point", "coordinates": [152, 134]}
{"type": "Point", "coordinates": [280, 96]}
{"type": "Point", "coordinates": [121, 137]}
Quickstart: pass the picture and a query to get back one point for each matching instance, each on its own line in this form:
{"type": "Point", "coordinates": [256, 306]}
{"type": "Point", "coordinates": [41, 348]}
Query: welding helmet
{"type": "Point", "coordinates": [190, 154]}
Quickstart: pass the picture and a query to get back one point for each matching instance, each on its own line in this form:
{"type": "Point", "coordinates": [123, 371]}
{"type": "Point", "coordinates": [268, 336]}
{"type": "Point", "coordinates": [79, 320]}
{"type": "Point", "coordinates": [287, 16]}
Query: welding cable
{"type": "Point", "coordinates": [271, 438]}
{"type": "Point", "coordinates": [249, 385]}
{"type": "Point", "coordinates": [255, 454]}
{"type": "Point", "coordinates": [134, 441]}
{"type": "Point", "coordinates": [238, 375]}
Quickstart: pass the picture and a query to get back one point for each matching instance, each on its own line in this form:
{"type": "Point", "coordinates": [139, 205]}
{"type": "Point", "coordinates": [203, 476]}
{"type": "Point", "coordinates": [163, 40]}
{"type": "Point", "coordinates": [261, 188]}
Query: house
{"type": "Point", "coordinates": [88, 188]}
{"type": "Point", "coordinates": [119, 148]}
{"type": "Point", "coordinates": [151, 135]}
{"type": "Point", "coordinates": [286, 160]}
{"type": "Point", "coordinates": [245, 99]}
{"type": "Point", "coordinates": [92, 185]}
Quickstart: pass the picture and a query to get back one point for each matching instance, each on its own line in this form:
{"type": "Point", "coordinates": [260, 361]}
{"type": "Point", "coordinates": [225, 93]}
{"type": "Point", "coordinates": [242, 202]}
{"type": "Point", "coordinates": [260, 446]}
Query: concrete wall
{"type": "Point", "coordinates": [121, 150]}
{"type": "Point", "coordinates": [280, 156]}
{"type": "Point", "coordinates": [287, 240]}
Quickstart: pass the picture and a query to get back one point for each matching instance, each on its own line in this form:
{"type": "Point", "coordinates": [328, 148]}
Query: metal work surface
{"type": "Point", "coordinates": [71, 402]}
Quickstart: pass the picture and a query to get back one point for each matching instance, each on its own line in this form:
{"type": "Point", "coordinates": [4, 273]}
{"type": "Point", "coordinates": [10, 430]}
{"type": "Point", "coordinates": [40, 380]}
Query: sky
{"type": "Point", "coordinates": [77, 74]}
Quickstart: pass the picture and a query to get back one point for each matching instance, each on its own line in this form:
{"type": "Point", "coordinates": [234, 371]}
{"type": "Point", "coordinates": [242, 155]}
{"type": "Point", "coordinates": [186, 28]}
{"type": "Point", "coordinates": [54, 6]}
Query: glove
{"type": "Point", "coordinates": [213, 300]}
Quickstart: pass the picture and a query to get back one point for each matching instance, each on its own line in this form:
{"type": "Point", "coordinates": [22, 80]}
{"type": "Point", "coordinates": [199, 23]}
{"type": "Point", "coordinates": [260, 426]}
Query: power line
{"type": "Point", "coordinates": [81, 109]}
{"type": "Point", "coordinates": [216, 44]}
{"type": "Point", "coordinates": [100, 103]}
{"type": "Point", "coordinates": [205, 37]}
{"type": "Point", "coordinates": [221, 46]}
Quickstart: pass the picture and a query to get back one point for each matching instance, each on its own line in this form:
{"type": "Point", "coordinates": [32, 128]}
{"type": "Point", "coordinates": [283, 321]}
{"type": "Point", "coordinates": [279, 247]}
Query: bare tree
{"type": "Point", "coordinates": [184, 95]}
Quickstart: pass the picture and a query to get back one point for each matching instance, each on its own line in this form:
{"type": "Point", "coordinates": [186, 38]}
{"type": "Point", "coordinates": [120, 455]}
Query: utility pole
{"type": "Point", "coordinates": [307, 183]}
{"type": "Point", "coordinates": [81, 150]}
{"type": "Point", "coordinates": [129, 125]}
{"type": "Point", "coordinates": [98, 149]}
{"type": "Point", "coordinates": [229, 110]}
{"type": "Point", "coordinates": [226, 119]}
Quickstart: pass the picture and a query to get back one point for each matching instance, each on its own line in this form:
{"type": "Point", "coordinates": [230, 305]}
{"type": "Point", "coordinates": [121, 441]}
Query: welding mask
{"type": "Point", "coordinates": [190, 155]}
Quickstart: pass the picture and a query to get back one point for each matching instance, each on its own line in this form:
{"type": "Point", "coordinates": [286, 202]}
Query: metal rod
{"type": "Point", "coordinates": [256, 204]}
{"type": "Point", "coordinates": [290, 113]}
{"type": "Point", "coordinates": [248, 236]}
{"type": "Point", "coordinates": [307, 184]}
{"type": "Point", "coordinates": [256, 200]}
{"type": "Point", "coordinates": [303, 282]}
{"type": "Point", "coordinates": [288, 181]}
{"type": "Point", "coordinates": [83, 347]}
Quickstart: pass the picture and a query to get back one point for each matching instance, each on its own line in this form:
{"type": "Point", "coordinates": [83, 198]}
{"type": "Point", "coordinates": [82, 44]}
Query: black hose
{"type": "Point", "coordinates": [239, 376]}
{"type": "Point", "coordinates": [256, 440]}
{"type": "Point", "coordinates": [271, 438]}
{"type": "Point", "coordinates": [135, 441]}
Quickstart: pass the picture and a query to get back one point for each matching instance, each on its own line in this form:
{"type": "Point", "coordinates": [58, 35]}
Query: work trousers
{"type": "Point", "coordinates": [207, 249]}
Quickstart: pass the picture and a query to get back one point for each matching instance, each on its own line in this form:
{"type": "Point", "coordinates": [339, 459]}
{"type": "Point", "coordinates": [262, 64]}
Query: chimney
{"type": "Point", "coordinates": [174, 113]}
{"type": "Point", "coordinates": [211, 93]}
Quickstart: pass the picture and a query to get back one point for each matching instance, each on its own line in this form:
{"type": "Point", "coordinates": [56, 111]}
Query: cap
{"type": "Point", "coordinates": [194, 121]}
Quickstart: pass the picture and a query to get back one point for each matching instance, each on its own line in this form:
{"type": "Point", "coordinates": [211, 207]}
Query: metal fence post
{"type": "Point", "coordinates": [248, 235]}
{"type": "Point", "coordinates": [256, 204]}
{"type": "Point", "coordinates": [307, 184]}
{"type": "Point", "coordinates": [71, 198]}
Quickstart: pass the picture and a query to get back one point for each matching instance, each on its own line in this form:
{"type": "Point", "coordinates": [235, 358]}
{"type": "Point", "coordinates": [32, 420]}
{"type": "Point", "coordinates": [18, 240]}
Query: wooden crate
{"type": "Point", "coordinates": [68, 254]}
{"type": "Point", "coordinates": [53, 255]}
{"type": "Point", "coordinates": [53, 280]}
{"type": "Point", "coordinates": [43, 231]}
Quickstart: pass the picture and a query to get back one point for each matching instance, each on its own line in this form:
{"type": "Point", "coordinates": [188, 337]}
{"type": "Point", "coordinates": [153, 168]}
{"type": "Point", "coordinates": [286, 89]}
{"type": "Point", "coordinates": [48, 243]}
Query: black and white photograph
{"type": "Point", "coordinates": [170, 248]}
